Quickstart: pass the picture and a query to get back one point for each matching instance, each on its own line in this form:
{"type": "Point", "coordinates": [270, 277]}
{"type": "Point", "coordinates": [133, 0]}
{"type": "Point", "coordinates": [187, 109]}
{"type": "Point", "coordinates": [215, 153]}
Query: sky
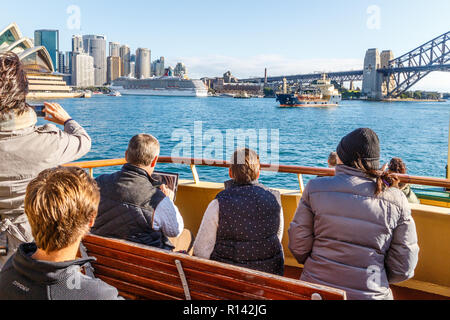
{"type": "Point", "coordinates": [246, 36]}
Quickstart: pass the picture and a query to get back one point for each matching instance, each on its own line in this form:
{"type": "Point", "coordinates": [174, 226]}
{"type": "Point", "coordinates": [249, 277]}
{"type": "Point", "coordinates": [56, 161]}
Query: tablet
{"type": "Point", "coordinates": [169, 179]}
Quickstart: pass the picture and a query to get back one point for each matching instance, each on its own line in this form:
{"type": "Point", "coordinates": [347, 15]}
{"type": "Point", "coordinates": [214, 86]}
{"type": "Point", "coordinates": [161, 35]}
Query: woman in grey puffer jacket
{"type": "Point", "coordinates": [355, 231]}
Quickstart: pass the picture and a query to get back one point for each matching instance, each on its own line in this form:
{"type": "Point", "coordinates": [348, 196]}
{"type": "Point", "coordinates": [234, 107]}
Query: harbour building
{"type": "Point", "coordinates": [143, 63]}
{"type": "Point", "coordinates": [83, 74]}
{"type": "Point", "coordinates": [114, 69]}
{"type": "Point", "coordinates": [114, 49]}
{"type": "Point", "coordinates": [50, 40]}
{"type": "Point", "coordinates": [158, 67]}
{"type": "Point", "coordinates": [180, 70]}
{"type": "Point", "coordinates": [38, 65]}
{"type": "Point", "coordinates": [77, 44]}
{"type": "Point", "coordinates": [125, 57]}
{"type": "Point", "coordinates": [95, 46]}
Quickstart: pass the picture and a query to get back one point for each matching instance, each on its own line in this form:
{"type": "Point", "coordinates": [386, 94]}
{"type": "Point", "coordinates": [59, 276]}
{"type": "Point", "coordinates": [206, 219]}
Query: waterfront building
{"type": "Point", "coordinates": [180, 70]}
{"type": "Point", "coordinates": [143, 63]}
{"type": "Point", "coordinates": [114, 68]}
{"type": "Point", "coordinates": [77, 44]}
{"type": "Point", "coordinates": [158, 67]}
{"type": "Point", "coordinates": [50, 40]}
{"type": "Point", "coordinates": [37, 63]}
{"type": "Point", "coordinates": [95, 46]}
{"type": "Point", "coordinates": [114, 49]}
{"type": "Point", "coordinates": [61, 62]}
{"type": "Point", "coordinates": [125, 56]}
{"type": "Point", "coordinates": [132, 69]}
{"type": "Point", "coordinates": [68, 67]}
{"type": "Point", "coordinates": [83, 74]}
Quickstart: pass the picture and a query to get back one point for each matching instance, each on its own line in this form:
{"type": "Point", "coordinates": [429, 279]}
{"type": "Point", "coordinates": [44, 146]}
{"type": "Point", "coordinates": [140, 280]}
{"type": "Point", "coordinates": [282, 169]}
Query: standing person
{"type": "Point", "coordinates": [133, 208]}
{"type": "Point", "coordinates": [244, 225]}
{"type": "Point", "coordinates": [398, 166]}
{"type": "Point", "coordinates": [61, 205]}
{"type": "Point", "coordinates": [26, 149]}
{"type": "Point", "coordinates": [355, 231]}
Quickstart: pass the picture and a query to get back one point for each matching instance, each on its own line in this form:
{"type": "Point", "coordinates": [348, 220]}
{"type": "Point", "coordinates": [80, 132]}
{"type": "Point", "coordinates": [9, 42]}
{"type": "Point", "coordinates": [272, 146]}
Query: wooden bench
{"type": "Point", "coordinates": [143, 273]}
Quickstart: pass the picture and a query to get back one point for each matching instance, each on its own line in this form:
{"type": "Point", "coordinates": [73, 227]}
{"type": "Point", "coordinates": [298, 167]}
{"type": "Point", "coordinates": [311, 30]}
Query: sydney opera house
{"type": "Point", "coordinates": [43, 82]}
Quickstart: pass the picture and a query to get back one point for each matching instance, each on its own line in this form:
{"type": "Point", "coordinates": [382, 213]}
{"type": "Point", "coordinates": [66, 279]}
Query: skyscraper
{"type": "Point", "coordinates": [114, 49]}
{"type": "Point", "coordinates": [95, 46]}
{"type": "Point", "coordinates": [50, 40]}
{"type": "Point", "coordinates": [61, 62]}
{"type": "Point", "coordinates": [180, 70]}
{"type": "Point", "coordinates": [125, 57]}
{"type": "Point", "coordinates": [68, 68]}
{"type": "Point", "coordinates": [77, 44]}
{"type": "Point", "coordinates": [83, 70]}
{"type": "Point", "coordinates": [132, 69]}
{"type": "Point", "coordinates": [143, 63]}
{"type": "Point", "coordinates": [158, 67]}
{"type": "Point", "coordinates": [114, 69]}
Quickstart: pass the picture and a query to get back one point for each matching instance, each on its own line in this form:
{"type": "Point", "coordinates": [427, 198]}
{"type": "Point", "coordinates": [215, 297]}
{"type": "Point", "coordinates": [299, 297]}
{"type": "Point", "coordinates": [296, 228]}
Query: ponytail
{"type": "Point", "coordinates": [384, 179]}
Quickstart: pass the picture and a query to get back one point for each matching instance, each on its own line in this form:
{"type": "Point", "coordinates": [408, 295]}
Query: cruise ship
{"type": "Point", "coordinates": [160, 86]}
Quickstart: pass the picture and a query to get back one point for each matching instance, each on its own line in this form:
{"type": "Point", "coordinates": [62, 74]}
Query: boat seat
{"type": "Point", "coordinates": [145, 273]}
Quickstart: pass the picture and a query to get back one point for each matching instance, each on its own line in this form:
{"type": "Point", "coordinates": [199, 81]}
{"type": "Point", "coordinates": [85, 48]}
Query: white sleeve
{"type": "Point", "coordinates": [207, 235]}
{"type": "Point", "coordinates": [168, 219]}
{"type": "Point", "coordinates": [281, 229]}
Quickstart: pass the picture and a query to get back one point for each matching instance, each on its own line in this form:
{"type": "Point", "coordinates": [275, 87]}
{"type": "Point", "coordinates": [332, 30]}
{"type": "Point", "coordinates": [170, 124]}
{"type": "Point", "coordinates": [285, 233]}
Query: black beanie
{"type": "Point", "coordinates": [360, 144]}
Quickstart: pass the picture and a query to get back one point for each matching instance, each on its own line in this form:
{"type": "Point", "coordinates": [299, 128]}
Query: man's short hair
{"type": "Point", "coordinates": [245, 166]}
{"type": "Point", "coordinates": [60, 203]}
{"type": "Point", "coordinates": [332, 159]}
{"type": "Point", "coordinates": [142, 150]}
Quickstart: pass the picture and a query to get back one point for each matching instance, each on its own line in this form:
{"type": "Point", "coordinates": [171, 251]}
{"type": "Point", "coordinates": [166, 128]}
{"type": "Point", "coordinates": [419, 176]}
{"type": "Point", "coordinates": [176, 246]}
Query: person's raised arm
{"type": "Point", "coordinates": [301, 231]}
{"type": "Point", "coordinates": [74, 142]}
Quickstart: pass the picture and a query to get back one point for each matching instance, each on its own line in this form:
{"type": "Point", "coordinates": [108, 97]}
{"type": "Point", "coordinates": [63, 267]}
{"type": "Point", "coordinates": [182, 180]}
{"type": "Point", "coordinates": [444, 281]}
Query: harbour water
{"type": "Point", "coordinates": [414, 131]}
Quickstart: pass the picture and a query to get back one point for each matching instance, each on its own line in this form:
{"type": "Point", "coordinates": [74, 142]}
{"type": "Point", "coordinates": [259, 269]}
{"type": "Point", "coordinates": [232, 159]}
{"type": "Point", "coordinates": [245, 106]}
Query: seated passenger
{"type": "Point", "coordinates": [27, 149]}
{"type": "Point", "coordinates": [132, 207]}
{"type": "Point", "coordinates": [332, 160]}
{"type": "Point", "coordinates": [61, 205]}
{"type": "Point", "coordinates": [398, 166]}
{"type": "Point", "coordinates": [244, 225]}
{"type": "Point", "coordinates": [355, 231]}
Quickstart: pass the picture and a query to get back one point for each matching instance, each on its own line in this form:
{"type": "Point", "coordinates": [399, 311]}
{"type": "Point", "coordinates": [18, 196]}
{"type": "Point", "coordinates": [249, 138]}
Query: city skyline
{"type": "Point", "coordinates": [247, 37]}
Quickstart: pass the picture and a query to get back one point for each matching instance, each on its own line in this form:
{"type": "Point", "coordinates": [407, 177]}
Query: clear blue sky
{"type": "Point", "coordinates": [245, 34]}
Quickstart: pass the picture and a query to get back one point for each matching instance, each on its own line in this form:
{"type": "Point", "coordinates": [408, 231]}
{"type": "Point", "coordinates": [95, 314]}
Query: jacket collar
{"type": "Point", "coordinates": [346, 170]}
{"type": "Point", "coordinates": [233, 184]}
{"type": "Point", "coordinates": [14, 122]}
{"type": "Point", "coordinates": [132, 168]}
{"type": "Point", "coordinates": [42, 271]}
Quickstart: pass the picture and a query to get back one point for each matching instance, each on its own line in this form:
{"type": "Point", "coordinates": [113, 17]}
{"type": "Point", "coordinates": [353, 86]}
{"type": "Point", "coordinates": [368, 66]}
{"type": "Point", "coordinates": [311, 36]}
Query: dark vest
{"type": "Point", "coordinates": [128, 202]}
{"type": "Point", "coordinates": [247, 235]}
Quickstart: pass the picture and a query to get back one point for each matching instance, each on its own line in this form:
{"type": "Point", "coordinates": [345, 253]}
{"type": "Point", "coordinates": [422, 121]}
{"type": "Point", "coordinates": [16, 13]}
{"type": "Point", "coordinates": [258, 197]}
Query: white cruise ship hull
{"type": "Point", "coordinates": [165, 92]}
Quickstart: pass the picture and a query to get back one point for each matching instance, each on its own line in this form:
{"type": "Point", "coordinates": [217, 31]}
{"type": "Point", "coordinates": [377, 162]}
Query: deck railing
{"type": "Point", "coordinates": [298, 170]}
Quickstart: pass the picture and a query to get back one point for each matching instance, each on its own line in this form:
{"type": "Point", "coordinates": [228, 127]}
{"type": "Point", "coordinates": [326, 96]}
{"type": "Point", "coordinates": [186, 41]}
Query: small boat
{"type": "Point", "coordinates": [114, 94]}
{"type": "Point", "coordinates": [243, 95]}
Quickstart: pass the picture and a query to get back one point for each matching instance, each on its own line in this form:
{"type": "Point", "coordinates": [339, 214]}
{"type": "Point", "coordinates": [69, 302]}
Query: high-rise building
{"type": "Point", "coordinates": [83, 74]}
{"type": "Point", "coordinates": [158, 67]}
{"type": "Point", "coordinates": [180, 70]}
{"type": "Point", "coordinates": [61, 62]}
{"type": "Point", "coordinates": [143, 63]}
{"type": "Point", "coordinates": [68, 67]}
{"type": "Point", "coordinates": [77, 44]}
{"type": "Point", "coordinates": [50, 40]}
{"type": "Point", "coordinates": [132, 69]}
{"type": "Point", "coordinates": [125, 57]}
{"type": "Point", "coordinates": [114, 69]}
{"type": "Point", "coordinates": [95, 46]}
{"type": "Point", "coordinates": [114, 49]}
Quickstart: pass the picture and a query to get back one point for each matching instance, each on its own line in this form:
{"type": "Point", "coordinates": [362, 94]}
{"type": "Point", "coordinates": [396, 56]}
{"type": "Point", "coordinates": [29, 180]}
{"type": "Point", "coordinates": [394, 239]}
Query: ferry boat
{"type": "Point", "coordinates": [147, 273]}
{"type": "Point", "coordinates": [160, 86]}
{"type": "Point", "coordinates": [320, 94]}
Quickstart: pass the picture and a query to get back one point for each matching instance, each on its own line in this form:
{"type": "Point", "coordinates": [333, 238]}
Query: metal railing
{"type": "Point", "coordinates": [298, 170]}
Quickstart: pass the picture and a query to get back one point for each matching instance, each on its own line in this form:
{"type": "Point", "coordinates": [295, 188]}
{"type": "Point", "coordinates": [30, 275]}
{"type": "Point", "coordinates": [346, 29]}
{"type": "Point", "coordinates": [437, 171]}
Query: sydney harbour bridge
{"type": "Point", "coordinates": [383, 75]}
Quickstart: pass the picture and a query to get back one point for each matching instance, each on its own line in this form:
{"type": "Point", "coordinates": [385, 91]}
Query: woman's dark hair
{"type": "Point", "coordinates": [398, 166]}
{"type": "Point", "coordinates": [384, 179]}
{"type": "Point", "coordinates": [13, 85]}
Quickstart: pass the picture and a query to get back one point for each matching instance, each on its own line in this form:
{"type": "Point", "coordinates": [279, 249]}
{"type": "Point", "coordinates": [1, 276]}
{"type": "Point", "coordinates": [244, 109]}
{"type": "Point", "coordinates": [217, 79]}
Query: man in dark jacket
{"type": "Point", "coordinates": [133, 207]}
{"type": "Point", "coordinates": [244, 225]}
{"type": "Point", "coordinates": [61, 205]}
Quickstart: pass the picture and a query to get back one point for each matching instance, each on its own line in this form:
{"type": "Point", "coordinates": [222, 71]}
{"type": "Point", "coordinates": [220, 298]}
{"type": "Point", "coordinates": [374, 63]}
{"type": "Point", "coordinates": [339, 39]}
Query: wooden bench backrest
{"type": "Point", "coordinates": [140, 272]}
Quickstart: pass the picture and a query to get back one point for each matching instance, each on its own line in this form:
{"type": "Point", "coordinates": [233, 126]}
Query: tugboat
{"type": "Point", "coordinates": [320, 94]}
